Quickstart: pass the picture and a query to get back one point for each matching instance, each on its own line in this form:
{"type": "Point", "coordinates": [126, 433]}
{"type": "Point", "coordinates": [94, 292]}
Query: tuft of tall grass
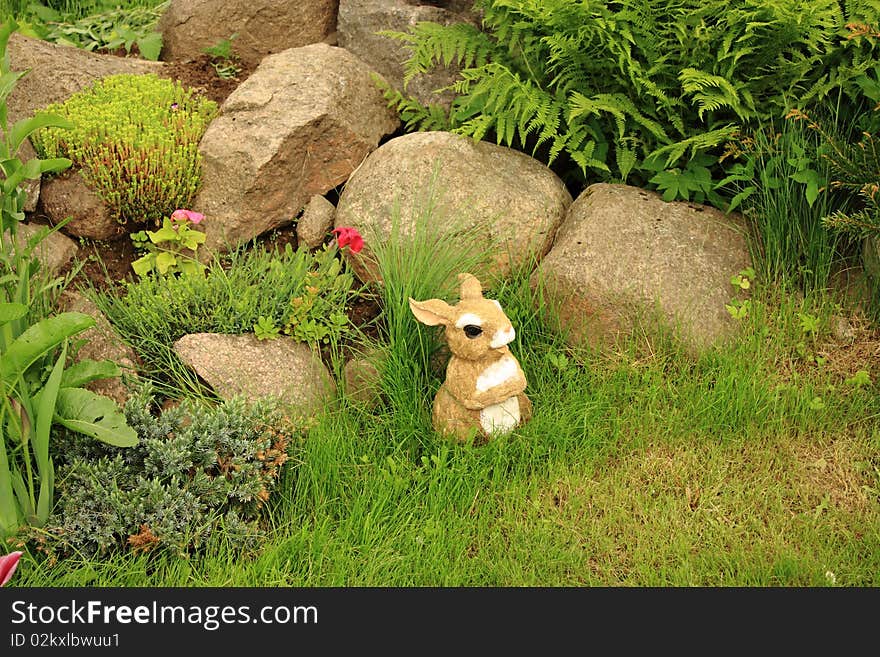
{"type": "Point", "coordinates": [419, 259]}
{"type": "Point", "coordinates": [784, 187]}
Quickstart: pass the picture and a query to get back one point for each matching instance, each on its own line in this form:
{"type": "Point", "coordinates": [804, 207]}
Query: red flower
{"type": "Point", "coordinates": [8, 564]}
{"type": "Point", "coordinates": [350, 237]}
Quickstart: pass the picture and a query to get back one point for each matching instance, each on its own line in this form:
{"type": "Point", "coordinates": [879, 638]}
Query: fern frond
{"type": "Point", "coordinates": [701, 142]}
{"type": "Point", "coordinates": [431, 43]}
{"type": "Point", "coordinates": [711, 92]}
{"type": "Point", "coordinates": [413, 114]}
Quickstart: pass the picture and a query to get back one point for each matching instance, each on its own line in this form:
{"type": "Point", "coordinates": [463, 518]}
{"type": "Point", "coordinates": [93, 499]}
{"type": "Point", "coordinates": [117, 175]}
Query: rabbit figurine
{"type": "Point", "coordinates": [483, 394]}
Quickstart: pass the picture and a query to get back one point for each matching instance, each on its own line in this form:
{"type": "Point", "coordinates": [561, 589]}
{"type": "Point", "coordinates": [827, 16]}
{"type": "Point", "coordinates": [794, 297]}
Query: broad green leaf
{"type": "Point", "coordinates": [45, 14]}
{"type": "Point", "coordinates": [25, 504]}
{"type": "Point", "coordinates": [810, 178]}
{"type": "Point", "coordinates": [192, 267]}
{"type": "Point", "coordinates": [86, 370]}
{"type": "Point", "coordinates": [739, 198]}
{"type": "Point", "coordinates": [7, 83]}
{"type": "Point", "coordinates": [165, 234]}
{"type": "Point", "coordinates": [150, 46]}
{"type": "Point", "coordinates": [6, 30]}
{"type": "Point", "coordinates": [40, 339]}
{"type": "Point", "coordinates": [144, 265]}
{"type": "Point", "coordinates": [47, 493]}
{"type": "Point", "coordinates": [45, 411]}
{"type": "Point", "coordinates": [193, 238]}
{"type": "Point", "coordinates": [164, 261]}
{"type": "Point", "coordinates": [32, 169]}
{"type": "Point", "coordinates": [94, 415]}
{"type": "Point", "coordinates": [22, 129]}
{"type": "Point", "coordinates": [12, 311]}
{"type": "Point", "coordinates": [9, 517]}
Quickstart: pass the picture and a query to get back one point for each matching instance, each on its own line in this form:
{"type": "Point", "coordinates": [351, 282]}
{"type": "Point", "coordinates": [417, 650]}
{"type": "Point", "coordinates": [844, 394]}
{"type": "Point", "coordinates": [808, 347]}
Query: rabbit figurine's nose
{"type": "Point", "coordinates": [502, 337]}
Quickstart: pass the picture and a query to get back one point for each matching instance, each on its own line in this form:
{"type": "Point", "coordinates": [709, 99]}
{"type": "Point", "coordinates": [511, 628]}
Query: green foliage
{"type": "Point", "coordinates": [194, 467]}
{"type": "Point", "coordinates": [13, 170]}
{"type": "Point", "coordinates": [617, 87]}
{"type": "Point", "coordinates": [109, 29]}
{"type": "Point", "coordinates": [225, 62]}
{"type": "Point", "coordinates": [170, 250]}
{"type": "Point", "coordinates": [265, 329]}
{"type": "Point", "coordinates": [34, 391]}
{"type": "Point", "coordinates": [779, 179]}
{"type": "Point", "coordinates": [317, 307]}
{"type": "Point", "coordinates": [135, 139]}
{"type": "Point", "coordinates": [419, 258]}
{"type": "Point", "coordinates": [413, 114]}
{"type": "Point", "coordinates": [855, 165]}
{"type": "Point", "coordinates": [154, 312]}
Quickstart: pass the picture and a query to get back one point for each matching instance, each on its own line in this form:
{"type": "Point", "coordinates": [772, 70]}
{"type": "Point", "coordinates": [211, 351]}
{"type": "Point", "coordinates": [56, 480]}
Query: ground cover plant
{"type": "Point", "coordinates": [196, 468]}
{"type": "Point", "coordinates": [92, 25]}
{"type": "Point", "coordinates": [135, 140]}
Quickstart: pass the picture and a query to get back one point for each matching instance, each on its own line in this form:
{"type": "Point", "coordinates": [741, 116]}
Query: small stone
{"type": "Point", "coordinates": [283, 368]}
{"type": "Point", "coordinates": [842, 330]}
{"type": "Point", "coordinates": [315, 222]}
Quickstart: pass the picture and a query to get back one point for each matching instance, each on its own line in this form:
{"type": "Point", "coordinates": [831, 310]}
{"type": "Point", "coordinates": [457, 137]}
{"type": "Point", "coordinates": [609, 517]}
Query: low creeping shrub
{"type": "Point", "coordinates": [195, 466]}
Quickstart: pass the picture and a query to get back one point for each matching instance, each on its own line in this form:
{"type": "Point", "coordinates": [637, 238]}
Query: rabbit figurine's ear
{"type": "Point", "coordinates": [431, 312]}
{"type": "Point", "coordinates": [470, 286]}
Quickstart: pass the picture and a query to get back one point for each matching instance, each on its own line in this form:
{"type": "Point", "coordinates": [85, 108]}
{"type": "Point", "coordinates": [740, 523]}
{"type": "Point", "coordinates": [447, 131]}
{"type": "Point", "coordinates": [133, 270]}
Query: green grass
{"type": "Point", "coordinates": [239, 288]}
{"type": "Point", "coordinates": [640, 467]}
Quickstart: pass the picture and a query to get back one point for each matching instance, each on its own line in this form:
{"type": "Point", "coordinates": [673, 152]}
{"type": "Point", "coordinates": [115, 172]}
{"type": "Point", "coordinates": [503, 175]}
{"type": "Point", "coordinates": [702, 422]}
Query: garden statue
{"type": "Point", "coordinates": [483, 393]}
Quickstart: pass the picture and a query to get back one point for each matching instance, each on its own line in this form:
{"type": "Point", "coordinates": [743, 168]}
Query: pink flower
{"type": "Point", "coordinates": [8, 564]}
{"type": "Point", "coordinates": [187, 215]}
{"type": "Point", "coordinates": [350, 237]}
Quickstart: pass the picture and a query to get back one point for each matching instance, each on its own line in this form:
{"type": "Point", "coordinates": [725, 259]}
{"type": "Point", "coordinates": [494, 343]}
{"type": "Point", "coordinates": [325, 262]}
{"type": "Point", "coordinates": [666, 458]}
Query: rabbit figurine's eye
{"type": "Point", "coordinates": [473, 331]}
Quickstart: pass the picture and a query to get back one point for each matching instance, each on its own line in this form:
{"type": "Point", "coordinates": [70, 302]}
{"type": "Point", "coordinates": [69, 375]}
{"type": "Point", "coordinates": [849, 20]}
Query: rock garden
{"type": "Point", "coordinates": [221, 222]}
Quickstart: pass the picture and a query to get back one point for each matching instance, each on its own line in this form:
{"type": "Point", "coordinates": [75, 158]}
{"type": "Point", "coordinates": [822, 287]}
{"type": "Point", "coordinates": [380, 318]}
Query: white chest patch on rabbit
{"type": "Point", "coordinates": [500, 418]}
{"type": "Point", "coordinates": [496, 374]}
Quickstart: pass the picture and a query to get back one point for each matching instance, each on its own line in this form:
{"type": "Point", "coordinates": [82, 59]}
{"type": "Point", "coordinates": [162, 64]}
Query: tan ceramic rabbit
{"type": "Point", "coordinates": [483, 394]}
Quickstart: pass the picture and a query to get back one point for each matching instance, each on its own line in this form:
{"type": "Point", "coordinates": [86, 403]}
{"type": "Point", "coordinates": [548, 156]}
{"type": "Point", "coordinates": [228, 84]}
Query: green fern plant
{"type": "Point", "coordinates": [607, 90]}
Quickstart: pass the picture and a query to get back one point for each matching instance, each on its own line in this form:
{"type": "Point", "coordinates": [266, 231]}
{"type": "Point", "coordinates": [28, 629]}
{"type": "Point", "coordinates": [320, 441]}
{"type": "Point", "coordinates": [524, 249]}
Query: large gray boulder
{"type": "Point", "coordinates": [512, 201]}
{"type": "Point", "coordinates": [262, 27]}
{"type": "Point", "coordinates": [358, 27]}
{"type": "Point", "coordinates": [298, 126]}
{"type": "Point", "coordinates": [283, 368]}
{"type": "Point", "coordinates": [623, 254]}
